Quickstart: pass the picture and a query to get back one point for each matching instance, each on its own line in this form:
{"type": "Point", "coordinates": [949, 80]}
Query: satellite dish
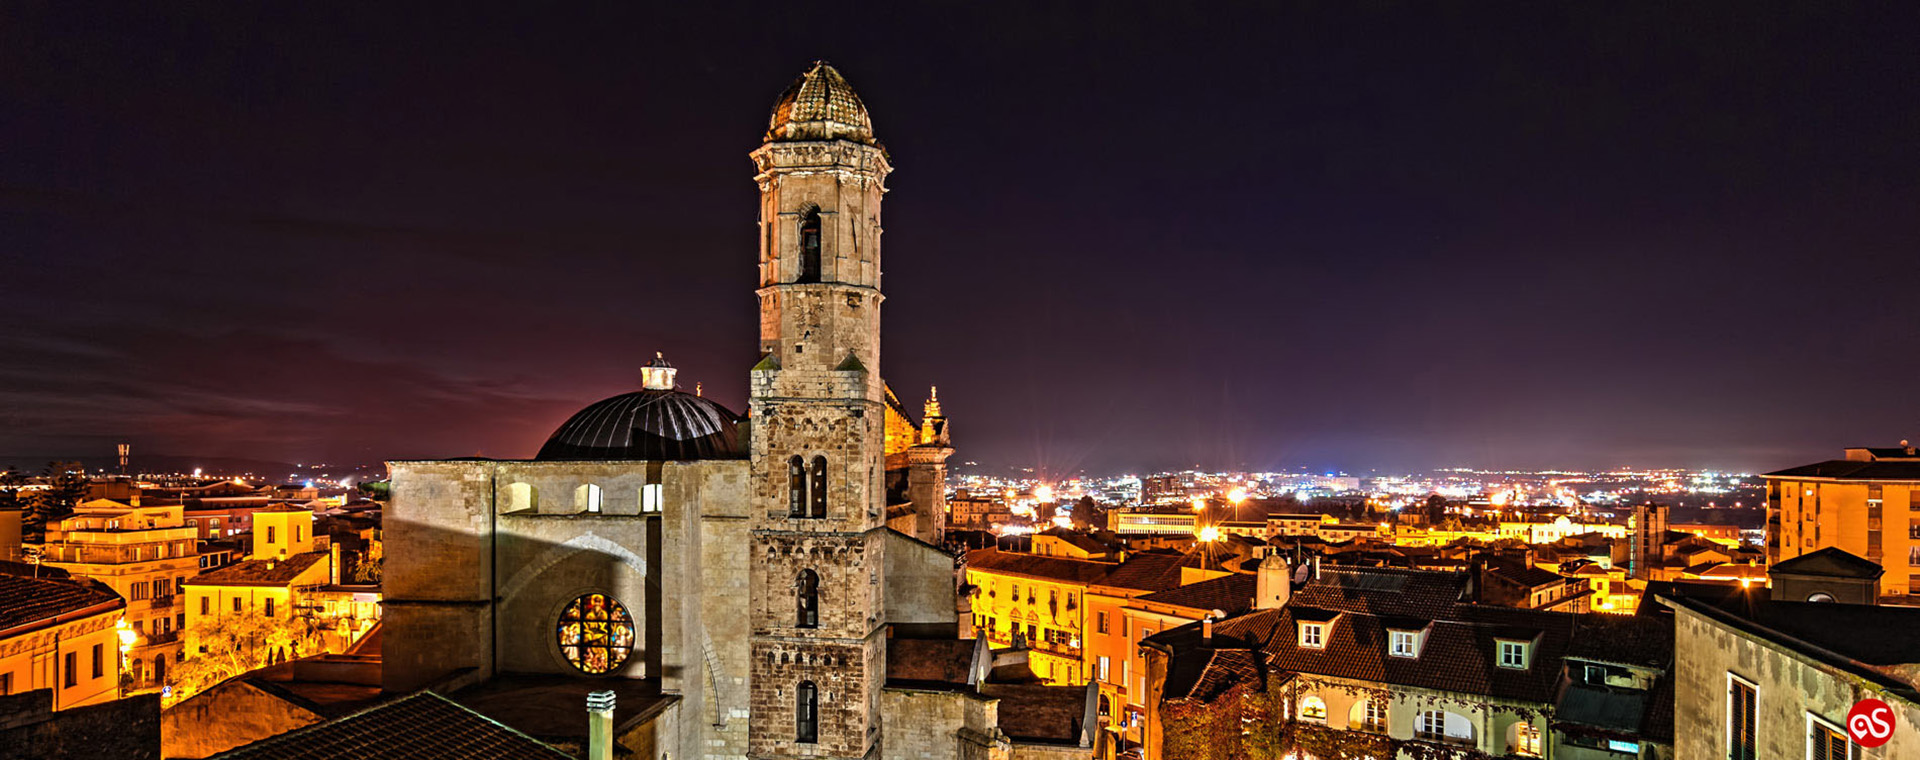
{"type": "Point", "coordinates": [1300, 573]}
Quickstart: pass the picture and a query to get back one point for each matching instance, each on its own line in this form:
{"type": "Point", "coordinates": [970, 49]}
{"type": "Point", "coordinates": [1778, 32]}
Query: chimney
{"type": "Point", "coordinates": [600, 725]}
{"type": "Point", "coordinates": [333, 564]}
{"type": "Point", "coordinates": [1272, 585]}
{"type": "Point", "coordinates": [1206, 629]}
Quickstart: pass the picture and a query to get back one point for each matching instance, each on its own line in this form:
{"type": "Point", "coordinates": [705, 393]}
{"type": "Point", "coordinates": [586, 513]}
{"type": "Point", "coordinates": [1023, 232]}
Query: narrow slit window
{"type": "Point", "coordinates": [806, 713]}
{"type": "Point", "coordinates": [817, 493]}
{"type": "Point", "coordinates": [807, 595]}
{"type": "Point", "coordinates": [796, 487]}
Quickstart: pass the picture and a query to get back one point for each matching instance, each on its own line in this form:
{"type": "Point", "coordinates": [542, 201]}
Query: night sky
{"type": "Point", "coordinates": [1331, 235]}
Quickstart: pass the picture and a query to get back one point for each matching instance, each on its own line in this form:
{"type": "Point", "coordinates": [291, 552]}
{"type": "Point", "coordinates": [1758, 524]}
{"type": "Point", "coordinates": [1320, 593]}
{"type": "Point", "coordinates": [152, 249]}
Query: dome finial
{"type": "Point", "coordinates": [933, 402]}
{"type": "Point", "coordinates": [658, 374]}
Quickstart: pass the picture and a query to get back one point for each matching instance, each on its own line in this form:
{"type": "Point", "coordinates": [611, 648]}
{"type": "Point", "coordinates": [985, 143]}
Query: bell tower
{"type": "Point", "coordinates": [817, 564]}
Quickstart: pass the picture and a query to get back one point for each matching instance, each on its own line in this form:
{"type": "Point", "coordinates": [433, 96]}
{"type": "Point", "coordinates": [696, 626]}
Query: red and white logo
{"type": "Point", "coordinates": [1870, 723]}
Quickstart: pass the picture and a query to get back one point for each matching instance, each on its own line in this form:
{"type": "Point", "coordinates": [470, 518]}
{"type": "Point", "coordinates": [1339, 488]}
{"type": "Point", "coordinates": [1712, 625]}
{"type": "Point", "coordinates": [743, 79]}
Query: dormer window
{"type": "Point", "coordinates": [1313, 635]}
{"type": "Point", "coordinates": [1513, 654]}
{"type": "Point", "coordinates": [1403, 643]}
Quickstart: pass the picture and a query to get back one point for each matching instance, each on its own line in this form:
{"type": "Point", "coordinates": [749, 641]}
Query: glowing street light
{"type": "Point", "coordinates": [1237, 495]}
{"type": "Point", "coordinates": [1199, 504]}
{"type": "Point", "coordinates": [1043, 494]}
{"type": "Point", "coordinates": [1209, 534]}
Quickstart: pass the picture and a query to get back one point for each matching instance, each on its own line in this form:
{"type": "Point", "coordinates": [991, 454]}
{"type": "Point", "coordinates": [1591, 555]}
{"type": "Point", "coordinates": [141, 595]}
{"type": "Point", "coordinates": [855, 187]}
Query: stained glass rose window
{"type": "Point", "coordinates": [596, 633]}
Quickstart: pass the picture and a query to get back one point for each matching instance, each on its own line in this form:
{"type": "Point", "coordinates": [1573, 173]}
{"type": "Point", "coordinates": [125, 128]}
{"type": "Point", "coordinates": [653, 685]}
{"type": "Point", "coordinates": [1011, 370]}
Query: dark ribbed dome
{"type": "Point", "coordinates": [655, 424]}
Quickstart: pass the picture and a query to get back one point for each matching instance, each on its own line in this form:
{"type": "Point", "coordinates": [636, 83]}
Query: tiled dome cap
{"type": "Point", "coordinates": [820, 106]}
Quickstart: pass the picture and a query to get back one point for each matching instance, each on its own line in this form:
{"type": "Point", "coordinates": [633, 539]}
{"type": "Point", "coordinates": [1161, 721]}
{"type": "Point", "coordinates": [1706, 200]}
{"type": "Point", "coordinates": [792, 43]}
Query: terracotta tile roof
{"type": "Point", "coordinates": [419, 725]}
{"type": "Point", "coordinates": [1458, 656]}
{"type": "Point", "coordinates": [1040, 713]}
{"type": "Point", "coordinates": [1848, 469]}
{"type": "Point", "coordinates": [1148, 571]}
{"type": "Point", "coordinates": [1831, 561]}
{"type": "Point", "coordinates": [1623, 640]}
{"type": "Point", "coordinates": [1079, 540]}
{"type": "Point", "coordinates": [1145, 571]}
{"type": "Point", "coordinates": [1232, 594]}
{"type": "Point", "coordinates": [1205, 678]}
{"type": "Point", "coordinates": [1391, 591]}
{"type": "Point", "coordinates": [259, 572]}
{"type": "Point", "coordinates": [25, 601]}
{"type": "Point", "coordinates": [1036, 566]}
{"type": "Point", "coordinates": [930, 660]}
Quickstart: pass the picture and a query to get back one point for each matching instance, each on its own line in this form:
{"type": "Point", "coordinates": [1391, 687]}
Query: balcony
{"type": "Point", "coordinates": [160, 602]}
{"type": "Point", "coordinates": [168, 637]}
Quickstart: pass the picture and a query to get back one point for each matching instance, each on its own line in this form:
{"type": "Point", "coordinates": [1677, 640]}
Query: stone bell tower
{"type": "Point", "coordinates": [817, 567]}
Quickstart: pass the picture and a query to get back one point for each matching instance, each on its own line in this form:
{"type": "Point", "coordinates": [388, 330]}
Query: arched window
{"type": "Point", "coordinates": [1313, 709]}
{"type": "Point", "coordinates": [817, 494]}
{"type": "Point", "coordinates": [586, 498]}
{"type": "Point", "coordinates": [796, 487]}
{"type": "Point", "coordinates": [1368, 715]}
{"type": "Point", "coordinates": [1442, 726]}
{"type": "Point", "coordinates": [807, 595]}
{"type": "Point", "coordinates": [596, 633]}
{"type": "Point", "coordinates": [810, 247]}
{"type": "Point", "coordinates": [806, 713]}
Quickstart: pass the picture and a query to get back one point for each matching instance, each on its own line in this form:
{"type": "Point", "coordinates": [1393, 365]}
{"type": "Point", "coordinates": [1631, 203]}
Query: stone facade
{"type": "Point", "coordinates": [1791, 689]}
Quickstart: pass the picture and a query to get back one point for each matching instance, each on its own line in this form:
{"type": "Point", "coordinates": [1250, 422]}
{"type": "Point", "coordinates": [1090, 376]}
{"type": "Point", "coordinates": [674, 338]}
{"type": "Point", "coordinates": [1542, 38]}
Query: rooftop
{"type": "Point", "coordinates": [29, 603]}
{"type": "Point", "coordinates": [1830, 562]}
{"type": "Point", "coordinates": [419, 725]}
{"type": "Point", "coordinates": [259, 572]}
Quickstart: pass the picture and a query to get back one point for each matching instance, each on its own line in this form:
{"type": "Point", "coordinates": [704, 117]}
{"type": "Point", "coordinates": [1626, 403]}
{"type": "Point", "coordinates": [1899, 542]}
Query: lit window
{"type": "Point", "coordinates": [1513, 654]}
{"type": "Point", "coordinates": [596, 633]}
{"type": "Point", "coordinates": [1526, 740]}
{"type": "Point", "coordinates": [1313, 709]}
{"type": "Point", "coordinates": [1368, 715]}
{"type": "Point", "coordinates": [651, 496]}
{"type": "Point", "coordinates": [588, 497]}
{"type": "Point", "coordinates": [1313, 635]}
{"type": "Point", "coordinates": [1403, 643]}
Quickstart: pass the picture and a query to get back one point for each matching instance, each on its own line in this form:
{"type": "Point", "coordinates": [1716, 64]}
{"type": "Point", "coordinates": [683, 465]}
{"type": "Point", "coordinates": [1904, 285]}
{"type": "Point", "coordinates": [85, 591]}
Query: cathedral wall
{"type": "Point", "coordinates": [439, 572]}
{"type": "Point", "coordinates": [713, 647]}
{"type": "Point", "coordinates": [921, 588]}
{"type": "Point", "coordinates": [941, 725]}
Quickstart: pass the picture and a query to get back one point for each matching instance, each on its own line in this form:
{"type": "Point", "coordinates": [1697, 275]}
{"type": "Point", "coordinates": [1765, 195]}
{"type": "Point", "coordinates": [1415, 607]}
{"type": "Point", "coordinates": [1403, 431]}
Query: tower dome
{"type": "Point", "coordinates": [820, 105]}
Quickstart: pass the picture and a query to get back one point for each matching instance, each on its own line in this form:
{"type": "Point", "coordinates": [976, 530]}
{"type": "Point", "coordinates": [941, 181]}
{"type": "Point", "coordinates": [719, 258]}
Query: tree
{"type": "Point", "coordinates": [1087, 514]}
{"type": "Point", "coordinates": [66, 486]}
{"type": "Point", "coordinates": [366, 569]}
{"type": "Point", "coordinates": [219, 648]}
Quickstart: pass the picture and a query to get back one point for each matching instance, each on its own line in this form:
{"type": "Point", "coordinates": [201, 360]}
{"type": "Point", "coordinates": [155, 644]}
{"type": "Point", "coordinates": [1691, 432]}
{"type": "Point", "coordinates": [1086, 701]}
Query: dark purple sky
{"type": "Point", "coordinates": [1326, 236]}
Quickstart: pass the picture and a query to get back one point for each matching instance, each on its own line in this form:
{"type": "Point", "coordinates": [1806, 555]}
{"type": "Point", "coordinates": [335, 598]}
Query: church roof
{"type": "Point", "coordinates": [820, 105]}
{"type": "Point", "coordinates": [648, 425]}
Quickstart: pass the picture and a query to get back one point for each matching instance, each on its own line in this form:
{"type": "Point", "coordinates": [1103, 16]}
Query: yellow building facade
{"type": "Point", "coordinates": [1867, 504]}
{"type": "Point", "coordinates": [60, 635]}
{"type": "Point", "coordinates": [146, 555]}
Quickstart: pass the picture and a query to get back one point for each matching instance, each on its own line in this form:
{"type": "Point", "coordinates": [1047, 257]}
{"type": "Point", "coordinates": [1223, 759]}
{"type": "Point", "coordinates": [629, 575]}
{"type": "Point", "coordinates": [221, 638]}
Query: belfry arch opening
{"type": "Point", "coordinates": [809, 246]}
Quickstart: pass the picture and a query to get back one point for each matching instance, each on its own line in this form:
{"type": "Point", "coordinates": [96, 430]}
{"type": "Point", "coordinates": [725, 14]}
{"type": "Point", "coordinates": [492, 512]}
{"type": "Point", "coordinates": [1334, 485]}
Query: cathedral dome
{"type": "Point", "coordinates": [652, 424]}
{"type": "Point", "coordinates": [657, 423]}
{"type": "Point", "coordinates": [820, 106]}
